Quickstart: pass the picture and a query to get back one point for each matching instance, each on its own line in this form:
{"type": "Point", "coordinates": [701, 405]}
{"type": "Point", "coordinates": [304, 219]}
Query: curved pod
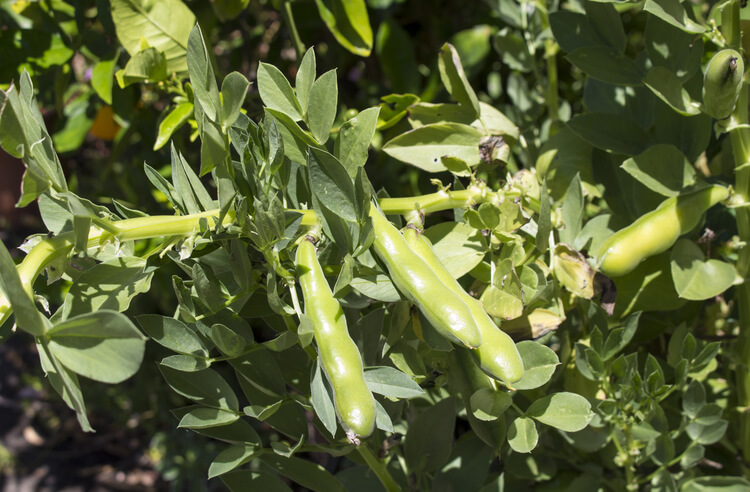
{"type": "Point", "coordinates": [338, 353]}
{"type": "Point", "coordinates": [498, 355]}
{"type": "Point", "coordinates": [656, 231]}
{"type": "Point", "coordinates": [442, 307]}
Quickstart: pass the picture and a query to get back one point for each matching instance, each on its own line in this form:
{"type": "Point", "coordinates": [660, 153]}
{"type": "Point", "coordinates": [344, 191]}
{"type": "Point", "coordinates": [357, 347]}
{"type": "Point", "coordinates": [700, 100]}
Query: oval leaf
{"type": "Point", "coordinates": [565, 411]}
{"type": "Point", "coordinates": [104, 346]}
{"type": "Point", "coordinates": [522, 435]}
{"type": "Point", "coordinates": [696, 278]}
{"type": "Point", "coordinates": [425, 146]}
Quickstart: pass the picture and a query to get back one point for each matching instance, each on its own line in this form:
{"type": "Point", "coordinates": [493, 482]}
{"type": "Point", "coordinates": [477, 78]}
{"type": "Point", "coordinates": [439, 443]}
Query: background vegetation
{"type": "Point", "coordinates": [599, 106]}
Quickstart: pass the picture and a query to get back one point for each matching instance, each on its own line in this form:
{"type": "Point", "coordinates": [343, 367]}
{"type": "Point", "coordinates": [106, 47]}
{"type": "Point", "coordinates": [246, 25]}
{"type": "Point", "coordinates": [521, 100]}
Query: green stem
{"type": "Point", "coordinates": [550, 56]}
{"type": "Point", "coordinates": [289, 17]}
{"type": "Point", "coordinates": [379, 468]}
{"type": "Point", "coordinates": [740, 139]}
{"type": "Point", "coordinates": [52, 249]}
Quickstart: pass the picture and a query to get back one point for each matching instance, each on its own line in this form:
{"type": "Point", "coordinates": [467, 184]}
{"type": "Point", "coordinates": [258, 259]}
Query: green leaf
{"type": "Point", "coordinates": [188, 187]}
{"type": "Point", "coordinates": [565, 411]}
{"type": "Point", "coordinates": [665, 84]}
{"type": "Point", "coordinates": [23, 134]}
{"type": "Point", "coordinates": [425, 146]}
{"type": "Point", "coordinates": [378, 287]}
{"type": "Point", "coordinates": [331, 184]}
{"type": "Point", "coordinates": [111, 284]}
{"type": "Point", "coordinates": [149, 65]}
{"type": "Point", "coordinates": [349, 23]}
{"type": "Point", "coordinates": [104, 346]}
{"type": "Point", "coordinates": [233, 92]}
{"type": "Point", "coordinates": [707, 434]}
{"type": "Point", "coordinates": [606, 64]}
{"type": "Point", "coordinates": [261, 369]}
{"type": "Point", "coordinates": [512, 48]}
{"type": "Point", "coordinates": [611, 132]}
{"type": "Point", "coordinates": [231, 458]}
{"type": "Point", "coordinates": [208, 287]}
{"type": "Point", "coordinates": [544, 221]}
{"type": "Point", "coordinates": [573, 30]}
{"type": "Point", "coordinates": [690, 134]}
{"type": "Point", "coordinates": [185, 363]}
{"type": "Point", "coordinates": [618, 338]}
{"type": "Point", "coordinates": [395, 51]}
{"type": "Point", "coordinates": [28, 317]}
{"type": "Point", "coordinates": [572, 211]}
{"type": "Point", "coordinates": [263, 412]}
{"type": "Point", "coordinates": [322, 399]}
{"type": "Point", "coordinates": [172, 334]}
{"type": "Point", "coordinates": [229, 9]}
{"type": "Point", "coordinates": [305, 78]}
{"type": "Point", "coordinates": [697, 278]}
{"type": "Point", "coordinates": [276, 92]}
{"type": "Point", "coordinates": [205, 417]}
{"type": "Point", "coordinates": [563, 156]}
{"type": "Point", "coordinates": [243, 480]}
{"type": "Point", "coordinates": [391, 383]}
{"type": "Point", "coordinates": [539, 363]}
{"type": "Point", "coordinates": [459, 246]}
{"type": "Point", "coordinates": [488, 404]}
{"type": "Point", "coordinates": [227, 341]}
{"type": "Point", "coordinates": [454, 79]}
{"type": "Point", "coordinates": [102, 76]}
{"type": "Point", "coordinates": [662, 168]}
{"type": "Point", "coordinates": [467, 467]}
{"type": "Point", "coordinates": [424, 113]}
{"type": "Point", "coordinates": [306, 473]}
{"type": "Point", "coordinates": [672, 12]}
{"type": "Point", "coordinates": [382, 419]}
{"type": "Point", "coordinates": [202, 78]}
{"type": "Point", "coordinates": [65, 383]}
{"type": "Point", "coordinates": [296, 140]}
{"type": "Point", "coordinates": [473, 46]}
{"type": "Point", "coordinates": [164, 25]}
{"type": "Point", "coordinates": [715, 484]}
{"type": "Point", "coordinates": [322, 105]}
{"type": "Point", "coordinates": [670, 47]}
{"type": "Point", "coordinates": [206, 387]}
{"type": "Point", "coordinates": [605, 20]}
{"type": "Point", "coordinates": [428, 441]}
{"type": "Point", "coordinates": [177, 116]}
{"type": "Point", "coordinates": [354, 139]}
{"type": "Point", "coordinates": [522, 435]}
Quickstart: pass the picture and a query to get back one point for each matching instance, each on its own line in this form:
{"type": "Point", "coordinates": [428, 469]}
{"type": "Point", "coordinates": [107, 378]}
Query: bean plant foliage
{"type": "Point", "coordinates": [630, 381]}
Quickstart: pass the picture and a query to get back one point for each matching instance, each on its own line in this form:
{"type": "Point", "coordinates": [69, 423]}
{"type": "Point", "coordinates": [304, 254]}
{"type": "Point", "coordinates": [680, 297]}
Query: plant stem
{"type": "Point", "coordinates": [54, 248]}
{"type": "Point", "coordinates": [379, 468]}
{"type": "Point", "coordinates": [299, 47]}
{"type": "Point", "coordinates": [740, 139]}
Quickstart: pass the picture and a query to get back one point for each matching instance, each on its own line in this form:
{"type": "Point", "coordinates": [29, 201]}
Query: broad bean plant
{"type": "Point", "coordinates": [566, 308]}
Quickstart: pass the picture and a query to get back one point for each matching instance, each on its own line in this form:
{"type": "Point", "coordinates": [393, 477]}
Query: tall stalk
{"type": "Point", "coordinates": [740, 138]}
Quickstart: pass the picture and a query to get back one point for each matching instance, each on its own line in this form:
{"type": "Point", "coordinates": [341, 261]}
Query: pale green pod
{"type": "Point", "coordinates": [722, 82]}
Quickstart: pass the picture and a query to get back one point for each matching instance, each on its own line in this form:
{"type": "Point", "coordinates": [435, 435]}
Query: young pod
{"type": "Point", "coordinates": [442, 307]}
{"type": "Point", "coordinates": [497, 355]}
{"type": "Point", "coordinates": [722, 82]}
{"type": "Point", "coordinates": [656, 231]}
{"type": "Point", "coordinates": [338, 353]}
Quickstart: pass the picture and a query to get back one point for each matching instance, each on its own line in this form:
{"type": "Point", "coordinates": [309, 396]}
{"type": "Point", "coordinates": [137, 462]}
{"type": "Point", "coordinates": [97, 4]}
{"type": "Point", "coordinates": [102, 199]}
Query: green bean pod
{"type": "Point", "coordinates": [722, 82]}
{"type": "Point", "coordinates": [497, 355]}
{"type": "Point", "coordinates": [442, 307]}
{"type": "Point", "coordinates": [656, 231]}
{"type": "Point", "coordinates": [338, 353]}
